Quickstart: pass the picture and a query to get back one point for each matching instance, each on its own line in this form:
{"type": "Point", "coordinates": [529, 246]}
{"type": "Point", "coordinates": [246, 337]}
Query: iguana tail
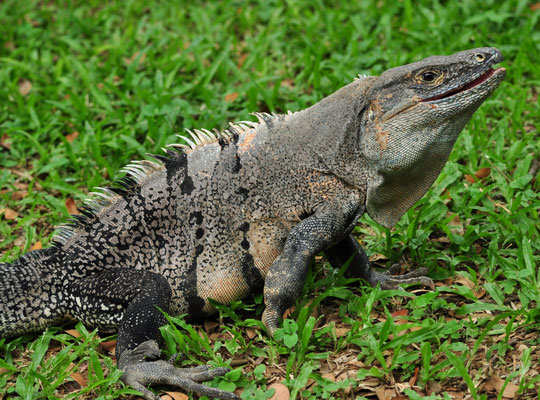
{"type": "Point", "coordinates": [28, 299]}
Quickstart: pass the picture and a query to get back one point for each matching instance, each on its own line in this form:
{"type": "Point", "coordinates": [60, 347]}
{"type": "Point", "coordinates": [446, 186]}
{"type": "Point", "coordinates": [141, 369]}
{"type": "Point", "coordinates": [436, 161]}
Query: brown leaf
{"type": "Point", "coordinates": [330, 376]}
{"type": "Point", "coordinates": [470, 178]}
{"type": "Point", "coordinates": [71, 207]}
{"type": "Point", "coordinates": [5, 142]}
{"type": "Point", "coordinates": [9, 46]}
{"type": "Point", "coordinates": [210, 325]}
{"type": "Point", "coordinates": [509, 391]}
{"type": "Point", "coordinates": [241, 60]}
{"type": "Point", "coordinates": [342, 331]}
{"type": "Point", "coordinates": [383, 394]}
{"type": "Point", "coordinates": [25, 86]}
{"type": "Point", "coordinates": [281, 393]}
{"type": "Point", "coordinates": [433, 387]}
{"type": "Point", "coordinates": [129, 60]}
{"type": "Point", "coordinates": [36, 246]}
{"type": "Point", "coordinates": [231, 97]}
{"type": "Point", "coordinates": [535, 6]}
{"type": "Point", "coordinates": [456, 226]}
{"type": "Point", "coordinates": [73, 332]}
{"type": "Point", "coordinates": [400, 313]}
{"type": "Point", "coordinates": [72, 136]}
{"type": "Point", "coordinates": [464, 281]}
{"type": "Point", "coordinates": [9, 213]}
{"type": "Point", "coordinates": [79, 379]}
{"type": "Point", "coordinates": [109, 346]}
{"type": "Point", "coordinates": [178, 395]}
{"type": "Point", "coordinates": [19, 194]}
{"type": "Point", "coordinates": [483, 173]}
{"type": "Point", "coordinates": [377, 257]}
{"type": "Point", "coordinates": [251, 332]}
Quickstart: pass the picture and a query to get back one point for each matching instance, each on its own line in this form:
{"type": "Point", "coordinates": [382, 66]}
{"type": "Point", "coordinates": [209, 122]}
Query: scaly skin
{"type": "Point", "coordinates": [246, 210]}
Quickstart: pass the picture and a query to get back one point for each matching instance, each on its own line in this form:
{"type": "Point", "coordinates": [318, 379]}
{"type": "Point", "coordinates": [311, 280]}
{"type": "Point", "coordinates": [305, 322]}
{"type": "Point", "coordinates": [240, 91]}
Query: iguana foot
{"type": "Point", "coordinates": [140, 371]}
{"type": "Point", "coordinates": [388, 280]}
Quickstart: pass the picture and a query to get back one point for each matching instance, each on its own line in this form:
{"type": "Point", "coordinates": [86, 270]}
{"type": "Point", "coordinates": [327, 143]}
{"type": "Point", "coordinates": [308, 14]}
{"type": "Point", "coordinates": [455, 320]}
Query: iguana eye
{"type": "Point", "coordinates": [429, 76]}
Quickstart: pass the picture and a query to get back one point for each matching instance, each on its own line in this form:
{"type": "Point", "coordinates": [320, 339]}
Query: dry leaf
{"type": "Point", "coordinates": [342, 331]}
{"type": "Point", "coordinates": [25, 86]}
{"type": "Point", "coordinates": [400, 313]}
{"type": "Point", "coordinates": [377, 257]}
{"type": "Point", "coordinates": [109, 346]}
{"type": "Point", "coordinates": [36, 246]}
{"type": "Point", "coordinates": [470, 178]}
{"type": "Point", "coordinates": [483, 173]}
{"type": "Point", "coordinates": [178, 395]}
{"type": "Point", "coordinates": [509, 391]}
{"type": "Point", "coordinates": [9, 213]}
{"type": "Point", "coordinates": [535, 6]}
{"type": "Point", "coordinates": [9, 46]}
{"type": "Point", "coordinates": [73, 332]}
{"type": "Point", "coordinates": [72, 136]}
{"type": "Point", "coordinates": [231, 96]}
{"type": "Point", "coordinates": [19, 194]}
{"type": "Point", "coordinates": [79, 379]}
{"type": "Point", "coordinates": [383, 394]}
{"type": "Point", "coordinates": [251, 332]}
{"type": "Point", "coordinates": [281, 393]}
{"type": "Point", "coordinates": [210, 325]}
{"type": "Point", "coordinates": [129, 60]}
{"type": "Point", "coordinates": [464, 281]}
{"type": "Point", "coordinates": [71, 207]}
{"type": "Point", "coordinates": [433, 387]}
{"type": "Point", "coordinates": [5, 142]}
{"type": "Point", "coordinates": [456, 226]}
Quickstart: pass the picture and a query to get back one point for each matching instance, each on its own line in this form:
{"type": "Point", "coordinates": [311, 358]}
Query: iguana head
{"type": "Point", "coordinates": [413, 115]}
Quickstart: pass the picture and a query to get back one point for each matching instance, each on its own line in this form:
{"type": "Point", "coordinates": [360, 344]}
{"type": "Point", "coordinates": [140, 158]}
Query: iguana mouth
{"type": "Point", "coordinates": [479, 80]}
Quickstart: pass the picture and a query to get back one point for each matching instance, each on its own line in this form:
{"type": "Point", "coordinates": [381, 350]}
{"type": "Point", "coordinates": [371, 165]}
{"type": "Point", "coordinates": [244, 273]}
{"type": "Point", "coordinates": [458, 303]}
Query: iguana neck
{"type": "Point", "coordinates": [328, 134]}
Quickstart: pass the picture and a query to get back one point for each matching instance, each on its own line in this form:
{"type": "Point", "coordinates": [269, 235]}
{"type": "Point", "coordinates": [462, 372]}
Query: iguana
{"type": "Point", "coordinates": [230, 213]}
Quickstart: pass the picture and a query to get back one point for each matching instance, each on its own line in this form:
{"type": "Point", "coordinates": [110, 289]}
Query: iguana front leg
{"type": "Point", "coordinates": [287, 273]}
{"type": "Point", "coordinates": [143, 296]}
{"type": "Point", "coordinates": [360, 267]}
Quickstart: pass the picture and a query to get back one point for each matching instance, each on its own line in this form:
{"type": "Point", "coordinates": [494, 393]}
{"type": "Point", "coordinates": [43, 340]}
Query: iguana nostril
{"type": "Point", "coordinates": [480, 57]}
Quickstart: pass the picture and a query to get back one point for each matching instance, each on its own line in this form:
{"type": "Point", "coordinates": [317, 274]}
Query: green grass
{"type": "Point", "coordinates": [129, 76]}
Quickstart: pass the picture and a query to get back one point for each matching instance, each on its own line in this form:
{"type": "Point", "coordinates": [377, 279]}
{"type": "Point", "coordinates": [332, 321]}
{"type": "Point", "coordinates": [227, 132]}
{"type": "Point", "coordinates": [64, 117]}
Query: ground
{"type": "Point", "coordinates": [88, 86]}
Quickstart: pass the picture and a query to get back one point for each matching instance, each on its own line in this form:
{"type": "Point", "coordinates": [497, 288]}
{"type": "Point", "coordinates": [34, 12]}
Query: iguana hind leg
{"type": "Point", "coordinates": [360, 267]}
{"type": "Point", "coordinates": [142, 296]}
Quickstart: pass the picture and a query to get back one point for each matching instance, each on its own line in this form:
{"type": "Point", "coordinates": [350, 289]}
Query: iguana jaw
{"type": "Point", "coordinates": [484, 77]}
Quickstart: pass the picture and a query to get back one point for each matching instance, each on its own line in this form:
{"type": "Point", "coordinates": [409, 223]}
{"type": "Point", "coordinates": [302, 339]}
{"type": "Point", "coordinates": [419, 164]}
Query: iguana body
{"type": "Point", "coordinates": [233, 213]}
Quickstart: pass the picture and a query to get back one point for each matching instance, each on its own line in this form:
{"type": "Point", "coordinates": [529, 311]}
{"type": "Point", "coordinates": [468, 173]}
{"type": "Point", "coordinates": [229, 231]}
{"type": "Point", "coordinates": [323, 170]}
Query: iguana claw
{"type": "Point", "coordinates": [388, 280]}
{"type": "Point", "coordinates": [140, 373]}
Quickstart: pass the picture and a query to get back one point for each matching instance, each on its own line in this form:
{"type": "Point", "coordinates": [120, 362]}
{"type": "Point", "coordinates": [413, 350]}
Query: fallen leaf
{"type": "Point", "coordinates": [79, 379]}
{"type": "Point", "coordinates": [534, 7]}
{"type": "Point", "coordinates": [433, 387]}
{"type": "Point", "coordinates": [71, 207]}
{"type": "Point", "coordinates": [231, 97]}
{"type": "Point", "coordinates": [178, 395]}
{"type": "Point", "coordinates": [210, 325]}
{"type": "Point", "coordinates": [25, 86]}
{"type": "Point", "coordinates": [73, 332]}
{"type": "Point", "coordinates": [251, 332]}
{"type": "Point", "coordinates": [330, 376]}
{"type": "Point", "coordinates": [19, 194]}
{"type": "Point", "coordinates": [470, 178]}
{"type": "Point", "coordinates": [400, 313]}
{"type": "Point", "coordinates": [9, 46]}
{"type": "Point", "coordinates": [36, 246]}
{"type": "Point", "coordinates": [130, 60]}
{"type": "Point", "coordinates": [9, 213]}
{"type": "Point", "coordinates": [464, 281]}
{"type": "Point", "coordinates": [509, 391]}
{"type": "Point", "coordinates": [72, 136]}
{"type": "Point", "coordinates": [482, 173]}
{"type": "Point", "coordinates": [281, 393]}
{"type": "Point", "coordinates": [377, 257]}
{"type": "Point", "coordinates": [383, 394]}
{"type": "Point", "coordinates": [456, 226]}
{"type": "Point", "coordinates": [5, 142]}
{"type": "Point", "coordinates": [342, 331]}
{"type": "Point", "coordinates": [109, 346]}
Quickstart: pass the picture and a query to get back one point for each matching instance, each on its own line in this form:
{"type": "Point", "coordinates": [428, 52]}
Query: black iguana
{"type": "Point", "coordinates": [230, 213]}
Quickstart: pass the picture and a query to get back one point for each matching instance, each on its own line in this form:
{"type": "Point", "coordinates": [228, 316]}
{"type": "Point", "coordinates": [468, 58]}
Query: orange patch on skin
{"type": "Point", "coordinates": [248, 138]}
{"type": "Point", "coordinates": [382, 138]}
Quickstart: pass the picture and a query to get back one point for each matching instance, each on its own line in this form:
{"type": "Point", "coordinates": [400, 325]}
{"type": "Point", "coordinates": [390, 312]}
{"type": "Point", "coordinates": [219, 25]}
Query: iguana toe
{"type": "Point", "coordinates": [146, 373]}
